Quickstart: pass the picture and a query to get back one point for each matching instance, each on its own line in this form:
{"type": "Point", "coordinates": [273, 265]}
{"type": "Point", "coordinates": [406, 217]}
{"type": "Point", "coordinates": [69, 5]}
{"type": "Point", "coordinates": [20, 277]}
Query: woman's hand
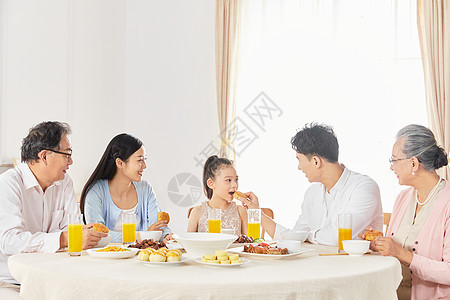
{"type": "Point", "coordinates": [250, 202]}
{"type": "Point", "coordinates": [168, 238]}
{"type": "Point", "coordinates": [157, 226]}
{"type": "Point", "coordinates": [363, 236]}
{"type": "Point", "coordinates": [388, 247]}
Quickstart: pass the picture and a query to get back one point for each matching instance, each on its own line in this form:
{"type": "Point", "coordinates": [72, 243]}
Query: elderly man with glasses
{"type": "Point", "coordinates": [36, 198]}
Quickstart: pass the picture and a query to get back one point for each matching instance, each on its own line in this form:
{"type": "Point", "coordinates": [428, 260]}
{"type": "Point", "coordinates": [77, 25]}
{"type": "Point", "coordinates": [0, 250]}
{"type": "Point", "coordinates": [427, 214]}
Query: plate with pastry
{"type": "Point", "coordinates": [113, 252]}
{"type": "Point", "coordinates": [223, 264]}
{"type": "Point", "coordinates": [221, 258]}
{"type": "Point", "coordinates": [162, 257]}
{"type": "Point", "coordinates": [263, 250]}
{"type": "Point", "coordinates": [162, 264]}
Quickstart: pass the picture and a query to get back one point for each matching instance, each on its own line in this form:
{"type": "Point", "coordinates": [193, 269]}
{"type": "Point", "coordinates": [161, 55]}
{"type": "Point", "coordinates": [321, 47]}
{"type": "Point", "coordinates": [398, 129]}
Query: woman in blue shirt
{"type": "Point", "coordinates": [116, 187]}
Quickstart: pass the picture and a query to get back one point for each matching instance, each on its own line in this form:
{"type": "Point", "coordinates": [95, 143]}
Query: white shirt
{"type": "Point", "coordinates": [31, 220]}
{"type": "Point", "coordinates": [118, 226]}
{"type": "Point", "coordinates": [354, 194]}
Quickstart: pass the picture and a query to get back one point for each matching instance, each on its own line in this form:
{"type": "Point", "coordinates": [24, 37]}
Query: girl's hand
{"type": "Point", "coordinates": [388, 247]}
{"type": "Point", "coordinates": [157, 226]}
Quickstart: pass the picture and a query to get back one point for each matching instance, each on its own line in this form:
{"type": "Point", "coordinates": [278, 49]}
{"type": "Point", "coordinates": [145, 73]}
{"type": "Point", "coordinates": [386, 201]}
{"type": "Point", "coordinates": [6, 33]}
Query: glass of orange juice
{"type": "Point", "coordinates": [75, 234]}
{"type": "Point", "coordinates": [254, 223]}
{"type": "Point", "coordinates": [345, 228]}
{"type": "Point", "coordinates": [214, 217]}
{"type": "Point", "coordinates": [128, 228]}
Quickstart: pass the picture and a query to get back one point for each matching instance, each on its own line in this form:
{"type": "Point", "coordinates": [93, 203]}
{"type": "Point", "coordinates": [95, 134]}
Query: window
{"type": "Point", "coordinates": [354, 65]}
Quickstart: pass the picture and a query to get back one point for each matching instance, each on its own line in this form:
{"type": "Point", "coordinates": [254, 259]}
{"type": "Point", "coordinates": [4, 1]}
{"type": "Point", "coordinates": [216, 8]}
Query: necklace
{"type": "Point", "coordinates": [430, 195]}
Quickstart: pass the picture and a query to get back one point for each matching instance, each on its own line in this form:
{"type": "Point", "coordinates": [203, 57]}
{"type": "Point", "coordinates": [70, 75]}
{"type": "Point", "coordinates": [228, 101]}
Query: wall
{"type": "Point", "coordinates": [106, 67]}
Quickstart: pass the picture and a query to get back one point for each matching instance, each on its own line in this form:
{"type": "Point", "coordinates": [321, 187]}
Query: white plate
{"type": "Point", "coordinates": [174, 245]}
{"type": "Point", "coordinates": [125, 254]}
{"type": "Point", "coordinates": [240, 251]}
{"type": "Point", "coordinates": [162, 264]}
{"type": "Point", "coordinates": [244, 261]}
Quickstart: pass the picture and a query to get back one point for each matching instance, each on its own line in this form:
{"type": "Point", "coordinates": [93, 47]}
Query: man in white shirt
{"type": "Point", "coordinates": [337, 190]}
{"type": "Point", "coordinates": [37, 197]}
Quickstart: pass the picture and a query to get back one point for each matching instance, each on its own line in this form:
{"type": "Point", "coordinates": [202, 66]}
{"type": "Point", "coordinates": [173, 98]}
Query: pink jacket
{"type": "Point", "coordinates": [430, 266]}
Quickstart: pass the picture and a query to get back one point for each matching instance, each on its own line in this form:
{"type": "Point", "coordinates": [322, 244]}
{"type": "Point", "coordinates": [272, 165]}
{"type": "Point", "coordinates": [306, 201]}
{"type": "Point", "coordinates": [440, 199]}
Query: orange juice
{"type": "Point", "coordinates": [128, 231]}
{"type": "Point", "coordinates": [75, 238]}
{"type": "Point", "coordinates": [344, 234]}
{"type": "Point", "coordinates": [254, 230]}
{"type": "Point", "coordinates": [214, 226]}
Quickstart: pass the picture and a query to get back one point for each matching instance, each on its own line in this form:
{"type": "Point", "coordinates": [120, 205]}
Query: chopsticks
{"type": "Point", "coordinates": [330, 254]}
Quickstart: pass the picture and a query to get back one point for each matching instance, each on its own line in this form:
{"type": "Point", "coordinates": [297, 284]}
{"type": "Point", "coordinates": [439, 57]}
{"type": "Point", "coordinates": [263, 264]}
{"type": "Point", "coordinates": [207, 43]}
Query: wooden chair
{"type": "Point", "coordinates": [386, 220]}
{"type": "Point", "coordinates": [189, 211]}
{"type": "Point", "coordinates": [268, 212]}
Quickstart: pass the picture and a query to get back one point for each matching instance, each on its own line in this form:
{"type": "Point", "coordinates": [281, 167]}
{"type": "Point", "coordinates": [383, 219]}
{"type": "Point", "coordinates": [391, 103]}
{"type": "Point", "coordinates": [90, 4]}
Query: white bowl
{"type": "Point", "coordinates": [293, 235]}
{"type": "Point", "coordinates": [104, 241]}
{"type": "Point", "coordinates": [146, 235]}
{"type": "Point", "coordinates": [356, 247]}
{"type": "Point", "coordinates": [292, 246]}
{"type": "Point", "coordinates": [198, 244]}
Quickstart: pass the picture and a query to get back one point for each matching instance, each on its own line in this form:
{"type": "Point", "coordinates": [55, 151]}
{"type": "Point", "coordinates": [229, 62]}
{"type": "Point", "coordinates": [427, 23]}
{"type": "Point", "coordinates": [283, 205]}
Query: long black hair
{"type": "Point", "coordinates": [121, 146]}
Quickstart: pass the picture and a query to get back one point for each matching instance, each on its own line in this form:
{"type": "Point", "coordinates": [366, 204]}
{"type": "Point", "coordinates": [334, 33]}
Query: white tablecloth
{"type": "Point", "coordinates": [306, 276]}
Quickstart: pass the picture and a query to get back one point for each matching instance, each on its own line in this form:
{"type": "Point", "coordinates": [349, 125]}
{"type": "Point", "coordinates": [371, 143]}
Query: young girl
{"type": "Point", "coordinates": [116, 188]}
{"type": "Point", "coordinates": [220, 181]}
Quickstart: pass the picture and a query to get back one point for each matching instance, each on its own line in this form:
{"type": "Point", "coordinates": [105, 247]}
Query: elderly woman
{"type": "Point", "coordinates": [419, 230]}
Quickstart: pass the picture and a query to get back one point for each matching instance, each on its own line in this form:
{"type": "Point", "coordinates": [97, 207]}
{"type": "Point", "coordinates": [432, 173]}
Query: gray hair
{"type": "Point", "coordinates": [45, 135]}
{"type": "Point", "coordinates": [420, 143]}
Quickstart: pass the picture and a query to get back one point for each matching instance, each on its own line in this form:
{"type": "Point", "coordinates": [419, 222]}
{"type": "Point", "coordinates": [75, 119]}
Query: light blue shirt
{"type": "Point", "coordinates": [100, 208]}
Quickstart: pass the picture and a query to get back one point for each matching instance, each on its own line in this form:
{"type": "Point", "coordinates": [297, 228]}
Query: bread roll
{"type": "Point", "coordinates": [173, 255]}
{"type": "Point", "coordinates": [144, 255]}
{"type": "Point", "coordinates": [163, 216]}
{"type": "Point", "coordinates": [157, 257]}
{"type": "Point", "coordinates": [100, 228]}
{"type": "Point", "coordinates": [238, 195]}
{"type": "Point", "coordinates": [370, 235]}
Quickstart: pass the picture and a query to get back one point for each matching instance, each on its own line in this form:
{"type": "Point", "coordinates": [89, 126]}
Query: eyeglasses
{"type": "Point", "coordinates": [66, 154]}
{"type": "Point", "coordinates": [393, 160]}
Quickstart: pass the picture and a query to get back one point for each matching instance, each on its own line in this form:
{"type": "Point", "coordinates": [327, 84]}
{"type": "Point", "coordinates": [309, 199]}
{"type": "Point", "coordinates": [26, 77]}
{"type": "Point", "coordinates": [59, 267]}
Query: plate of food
{"type": "Point", "coordinates": [162, 264]}
{"type": "Point", "coordinates": [113, 252]}
{"type": "Point", "coordinates": [162, 257]}
{"type": "Point", "coordinates": [263, 250]}
{"type": "Point", "coordinates": [221, 258]}
{"type": "Point", "coordinates": [240, 262]}
{"type": "Point", "coordinates": [244, 240]}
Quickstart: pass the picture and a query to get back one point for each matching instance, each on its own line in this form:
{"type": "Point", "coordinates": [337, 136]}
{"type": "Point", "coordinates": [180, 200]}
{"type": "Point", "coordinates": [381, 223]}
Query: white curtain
{"type": "Point", "coordinates": [354, 65]}
{"type": "Point", "coordinates": [434, 32]}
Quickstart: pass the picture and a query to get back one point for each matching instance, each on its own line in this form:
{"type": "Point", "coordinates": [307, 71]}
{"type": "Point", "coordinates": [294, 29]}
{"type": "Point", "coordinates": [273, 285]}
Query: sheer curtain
{"type": "Point", "coordinates": [352, 64]}
{"type": "Point", "coordinates": [433, 25]}
{"type": "Point", "coordinates": [228, 17]}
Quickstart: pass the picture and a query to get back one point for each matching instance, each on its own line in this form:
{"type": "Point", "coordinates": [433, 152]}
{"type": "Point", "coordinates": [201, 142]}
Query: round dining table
{"type": "Point", "coordinates": [304, 276]}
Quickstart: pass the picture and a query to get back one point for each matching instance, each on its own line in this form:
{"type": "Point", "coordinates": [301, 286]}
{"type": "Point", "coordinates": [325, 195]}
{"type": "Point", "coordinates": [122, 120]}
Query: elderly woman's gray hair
{"type": "Point", "coordinates": [420, 143]}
